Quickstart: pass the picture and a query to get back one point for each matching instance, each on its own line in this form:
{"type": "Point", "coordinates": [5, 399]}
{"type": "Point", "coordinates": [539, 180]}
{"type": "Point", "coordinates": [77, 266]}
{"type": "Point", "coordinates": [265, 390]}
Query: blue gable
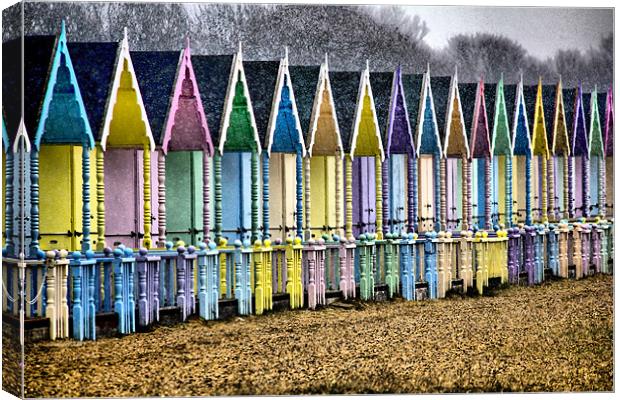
{"type": "Point", "coordinates": [285, 136]}
{"type": "Point", "coordinates": [63, 116]}
{"type": "Point", "coordinates": [521, 140]}
{"type": "Point", "coordinates": [5, 137]}
{"type": "Point", "coordinates": [428, 140]}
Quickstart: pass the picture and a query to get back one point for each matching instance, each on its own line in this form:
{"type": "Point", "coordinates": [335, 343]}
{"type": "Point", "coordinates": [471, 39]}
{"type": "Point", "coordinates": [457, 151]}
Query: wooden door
{"type": "Point", "coordinates": [364, 196]}
{"type": "Point", "coordinates": [184, 202]}
{"type": "Point", "coordinates": [594, 180]}
{"type": "Point", "coordinates": [58, 186]}
{"type": "Point", "coordinates": [426, 192]}
{"type": "Point", "coordinates": [282, 195]}
{"type": "Point", "coordinates": [122, 201]}
{"type": "Point", "coordinates": [323, 194]}
{"type": "Point", "coordinates": [398, 191]}
{"type": "Point", "coordinates": [558, 185]}
{"type": "Point", "coordinates": [609, 175]}
{"type": "Point", "coordinates": [454, 193]}
{"type": "Point", "coordinates": [236, 196]}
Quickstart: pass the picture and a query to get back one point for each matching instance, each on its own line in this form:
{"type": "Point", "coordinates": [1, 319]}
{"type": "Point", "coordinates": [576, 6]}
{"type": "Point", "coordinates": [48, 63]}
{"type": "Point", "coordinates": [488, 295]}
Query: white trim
{"type": "Point", "coordinates": [283, 72]}
{"type": "Point", "coordinates": [21, 133]}
{"type": "Point", "coordinates": [427, 91]}
{"type": "Point", "coordinates": [123, 55]}
{"type": "Point", "coordinates": [365, 84]}
{"type": "Point", "coordinates": [454, 92]}
{"type": "Point", "coordinates": [237, 67]}
{"type": "Point", "coordinates": [520, 100]}
{"type": "Point", "coordinates": [556, 115]}
{"type": "Point", "coordinates": [322, 85]}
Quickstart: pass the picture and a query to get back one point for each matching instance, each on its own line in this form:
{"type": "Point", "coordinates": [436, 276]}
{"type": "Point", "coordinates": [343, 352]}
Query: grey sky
{"type": "Point", "coordinates": [541, 31]}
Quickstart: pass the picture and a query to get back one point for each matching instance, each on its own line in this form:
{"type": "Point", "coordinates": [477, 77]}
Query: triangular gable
{"type": "Point", "coordinates": [238, 99]}
{"type": "Point", "coordinates": [186, 125]}
{"type": "Point", "coordinates": [521, 142]}
{"type": "Point", "coordinates": [284, 127]}
{"type": "Point", "coordinates": [609, 124]}
{"type": "Point", "coordinates": [479, 145]}
{"type": "Point", "coordinates": [427, 138]}
{"type": "Point", "coordinates": [399, 135]}
{"type": "Point", "coordinates": [365, 139]}
{"type": "Point", "coordinates": [560, 144]}
{"type": "Point", "coordinates": [500, 142]}
{"type": "Point", "coordinates": [580, 133]}
{"type": "Point", "coordinates": [456, 134]}
{"type": "Point", "coordinates": [539, 130]}
{"type": "Point", "coordinates": [596, 136]}
{"type": "Point", "coordinates": [63, 116]}
{"type": "Point", "coordinates": [324, 107]}
{"type": "Point", "coordinates": [126, 122]}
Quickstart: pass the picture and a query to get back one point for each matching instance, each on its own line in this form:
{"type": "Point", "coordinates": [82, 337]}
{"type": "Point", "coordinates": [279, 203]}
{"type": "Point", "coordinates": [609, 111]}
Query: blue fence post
{"type": "Point", "coordinates": [553, 249]}
{"type": "Point", "coordinates": [430, 263]}
{"type": "Point", "coordinates": [77, 309]}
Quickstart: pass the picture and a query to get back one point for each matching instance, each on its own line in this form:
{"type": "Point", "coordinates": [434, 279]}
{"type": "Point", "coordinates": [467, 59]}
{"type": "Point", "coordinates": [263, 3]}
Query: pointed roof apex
{"type": "Point", "coordinates": [187, 40]}
{"type": "Point", "coordinates": [63, 29]}
{"type": "Point", "coordinates": [125, 41]}
{"type": "Point", "coordinates": [286, 54]}
{"type": "Point", "coordinates": [428, 68]}
{"type": "Point", "coordinates": [326, 58]}
{"type": "Point", "coordinates": [501, 78]}
{"type": "Point", "coordinates": [595, 90]}
{"type": "Point", "coordinates": [367, 65]}
{"type": "Point", "coordinates": [456, 70]}
{"type": "Point", "coordinates": [240, 49]}
{"type": "Point", "coordinates": [539, 80]}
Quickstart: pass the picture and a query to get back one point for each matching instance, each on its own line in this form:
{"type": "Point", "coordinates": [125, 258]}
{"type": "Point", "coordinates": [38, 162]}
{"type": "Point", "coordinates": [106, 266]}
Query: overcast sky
{"type": "Point", "coordinates": [541, 31]}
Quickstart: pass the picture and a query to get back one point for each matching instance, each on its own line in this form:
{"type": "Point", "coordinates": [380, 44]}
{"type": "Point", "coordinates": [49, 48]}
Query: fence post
{"type": "Point", "coordinates": [208, 293]}
{"type": "Point", "coordinates": [392, 277]}
{"type": "Point", "coordinates": [56, 308]}
{"type": "Point", "coordinates": [466, 249]}
{"type": "Point", "coordinates": [604, 244]}
{"type": "Point", "coordinates": [577, 260]}
{"type": "Point", "coordinates": [563, 249]}
{"type": "Point", "coordinates": [478, 248]}
{"type": "Point", "coordinates": [430, 263]}
{"type": "Point", "coordinates": [596, 246]}
{"type": "Point", "coordinates": [513, 255]}
{"type": "Point", "coordinates": [553, 249]}
{"type": "Point", "coordinates": [585, 248]}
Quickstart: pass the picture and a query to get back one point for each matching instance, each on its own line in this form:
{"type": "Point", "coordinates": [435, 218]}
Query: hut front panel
{"type": "Point", "coordinates": [578, 185]}
{"type": "Point", "coordinates": [398, 191]}
{"type": "Point", "coordinates": [426, 192]}
{"type": "Point", "coordinates": [498, 199]}
{"type": "Point", "coordinates": [58, 207]}
{"type": "Point", "coordinates": [594, 185]}
{"type": "Point", "coordinates": [323, 194]}
{"type": "Point", "coordinates": [122, 198]}
{"type": "Point", "coordinates": [184, 203]}
{"type": "Point", "coordinates": [454, 192]}
{"type": "Point", "coordinates": [609, 186]}
{"type": "Point", "coordinates": [558, 184]}
{"type": "Point", "coordinates": [236, 196]}
{"type": "Point", "coordinates": [519, 189]}
{"type": "Point", "coordinates": [478, 195]}
{"type": "Point", "coordinates": [282, 194]}
{"type": "Point", "coordinates": [537, 189]}
{"type": "Point", "coordinates": [364, 195]}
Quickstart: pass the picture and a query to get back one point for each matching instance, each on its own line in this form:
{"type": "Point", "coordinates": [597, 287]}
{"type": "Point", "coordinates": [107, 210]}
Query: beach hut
{"type": "Point", "coordinates": [279, 127]}
{"type": "Point", "coordinates": [560, 152]}
{"type": "Point", "coordinates": [413, 85]}
{"type": "Point", "coordinates": [323, 173]}
{"type": "Point", "coordinates": [126, 143]}
{"type": "Point", "coordinates": [428, 149]}
{"type": "Point", "coordinates": [501, 101]}
{"type": "Point", "coordinates": [579, 163]}
{"type": "Point", "coordinates": [226, 99]}
{"type": "Point", "coordinates": [596, 154]}
{"type": "Point", "coordinates": [455, 161]}
{"type": "Point", "coordinates": [62, 179]}
{"type": "Point", "coordinates": [393, 116]}
{"type": "Point", "coordinates": [359, 128]}
{"type": "Point", "coordinates": [609, 152]}
{"type": "Point", "coordinates": [522, 159]}
{"type": "Point", "coordinates": [183, 169]}
{"type": "Point", "coordinates": [540, 151]}
{"type": "Point", "coordinates": [475, 115]}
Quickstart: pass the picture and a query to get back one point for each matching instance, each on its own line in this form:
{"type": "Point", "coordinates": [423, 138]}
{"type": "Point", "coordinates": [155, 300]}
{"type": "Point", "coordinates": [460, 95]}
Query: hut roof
{"type": "Point", "coordinates": [304, 80]}
{"type": "Point", "coordinates": [381, 83]}
{"type": "Point", "coordinates": [261, 77]}
{"type": "Point", "coordinates": [345, 88]}
{"type": "Point", "coordinates": [12, 62]}
{"type": "Point", "coordinates": [440, 85]}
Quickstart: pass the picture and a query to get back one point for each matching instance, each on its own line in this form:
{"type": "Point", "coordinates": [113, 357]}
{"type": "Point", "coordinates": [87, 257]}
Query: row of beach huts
{"type": "Point", "coordinates": [147, 183]}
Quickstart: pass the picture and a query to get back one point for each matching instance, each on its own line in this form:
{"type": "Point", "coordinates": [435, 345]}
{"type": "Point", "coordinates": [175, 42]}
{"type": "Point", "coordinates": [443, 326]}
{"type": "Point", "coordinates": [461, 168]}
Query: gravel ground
{"type": "Point", "coordinates": [555, 337]}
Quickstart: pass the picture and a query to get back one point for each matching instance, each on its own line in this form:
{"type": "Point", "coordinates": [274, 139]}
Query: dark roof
{"type": "Point", "coordinates": [609, 135]}
{"type": "Point", "coordinates": [587, 98]}
{"type": "Point", "coordinates": [510, 98]}
{"type": "Point", "coordinates": [548, 98]}
{"type": "Point", "coordinates": [569, 95]}
{"type": "Point", "coordinates": [304, 80]}
{"type": "Point", "coordinates": [11, 85]}
{"type": "Point", "coordinates": [529, 95]}
{"type": "Point", "coordinates": [94, 65]}
{"type": "Point", "coordinates": [412, 85]}
{"type": "Point", "coordinates": [440, 86]}
{"type": "Point", "coordinates": [381, 83]}
{"type": "Point", "coordinates": [261, 77]}
{"type": "Point", "coordinates": [38, 52]}
{"type": "Point", "coordinates": [156, 72]}
{"type": "Point", "coordinates": [212, 75]}
{"type": "Point", "coordinates": [467, 92]}
{"type": "Point", "coordinates": [490, 96]}
{"type": "Point", "coordinates": [345, 87]}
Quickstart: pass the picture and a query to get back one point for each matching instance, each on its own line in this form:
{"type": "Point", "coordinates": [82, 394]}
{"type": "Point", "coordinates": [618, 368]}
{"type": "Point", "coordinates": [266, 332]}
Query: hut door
{"type": "Point", "coordinates": [236, 196]}
{"type": "Point", "coordinates": [122, 200]}
{"type": "Point", "coordinates": [364, 213]}
{"type": "Point", "coordinates": [398, 191]}
{"type": "Point", "coordinates": [519, 189]}
{"type": "Point", "coordinates": [426, 204]}
{"type": "Point", "coordinates": [184, 196]}
{"type": "Point", "coordinates": [60, 188]}
{"type": "Point", "coordinates": [282, 191]}
{"type": "Point", "coordinates": [454, 185]}
{"type": "Point", "coordinates": [323, 194]}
